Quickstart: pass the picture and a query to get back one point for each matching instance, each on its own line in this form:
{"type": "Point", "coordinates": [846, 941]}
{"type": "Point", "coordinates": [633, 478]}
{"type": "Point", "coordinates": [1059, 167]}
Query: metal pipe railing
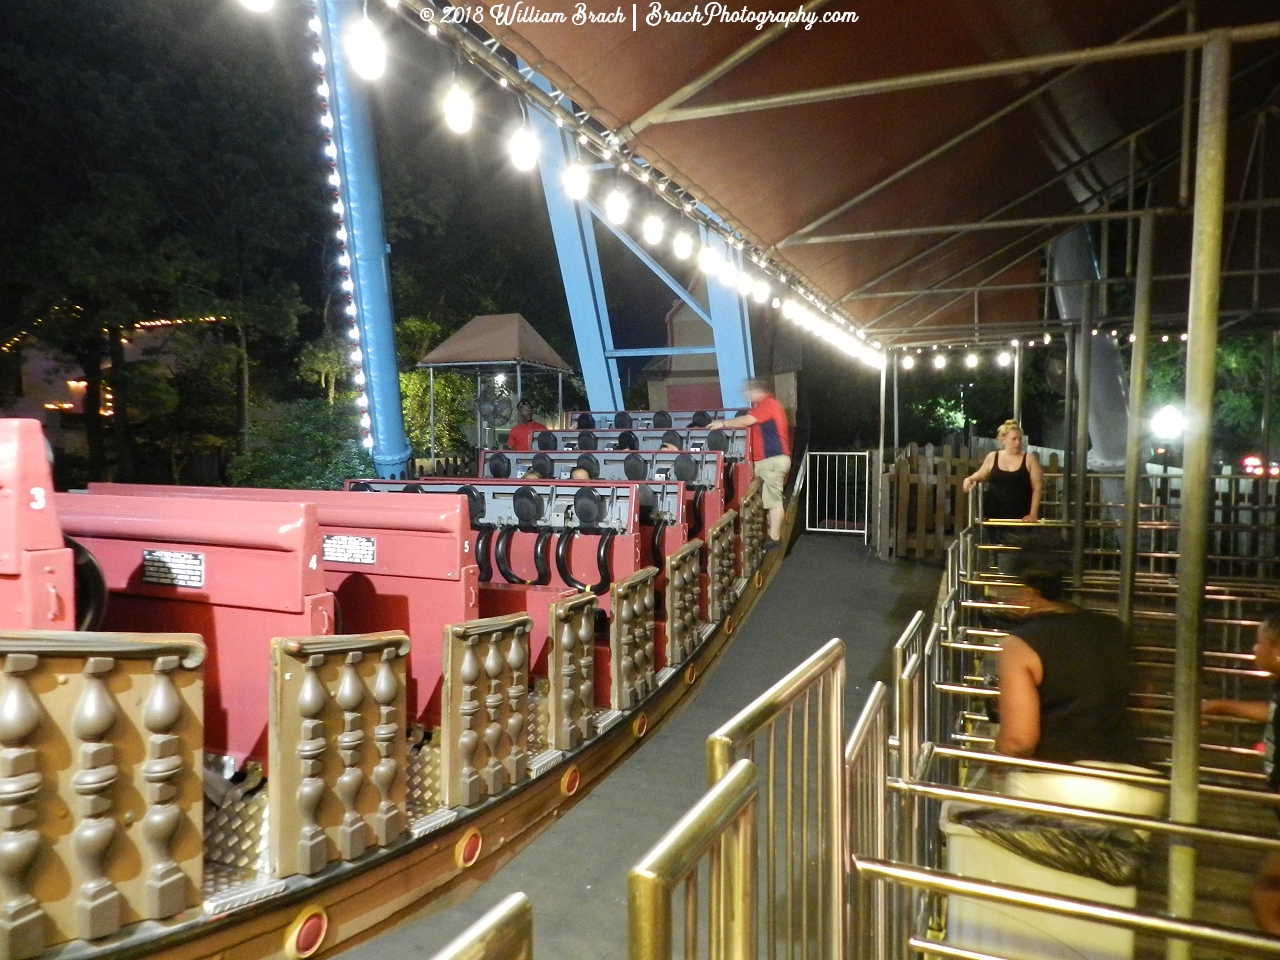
{"type": "Point", "coordinates": [719, 829]}
{"type": "Point", "coordinates": [504, 933]}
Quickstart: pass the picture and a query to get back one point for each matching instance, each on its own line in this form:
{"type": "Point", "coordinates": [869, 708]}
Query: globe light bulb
{"type": "Point", "coordinates": [682, 246]}
{"type": "Point", "coordinates": [459, 110]}
{"type": "Point", "coordinates": [1168, 423]}
{"type": "Point", "coordinates": [744, 284]}
{"type": "Point", "coordinates": [652, 230]}
{"type": "Point", "coordinates": [366, 49]}
{"type": "Point", "coordinates": [760, 291]}
{"type": "Point", "coordinates": [708, 260]}
{"type": "Point", "coordinates": [523, 147]}
{"type": "Point", "coordinates": [616, 207]}
{"type": "Point", "coordinates": [727, 273]}
{"type": "Point", "coordinates": [939, 361]}
{"type": "Point", "coordinates": [575, 180]}
{"type": "Point", "coordinates": [908, 362]}
{"type": "Point", "coordinates": [1048, 339]}
{"type": "Point", "coordinates": [258, 6]}
{"type": "Point", "coordinates": [1003, 358]}
{"type": "Point", "coordinates": [971, 360]}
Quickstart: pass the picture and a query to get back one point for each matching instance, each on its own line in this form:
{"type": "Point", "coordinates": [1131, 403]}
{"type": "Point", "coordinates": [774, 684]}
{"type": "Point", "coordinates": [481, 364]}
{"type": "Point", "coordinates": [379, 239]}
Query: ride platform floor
{"type": "Point", "coordinates": [575, 872]}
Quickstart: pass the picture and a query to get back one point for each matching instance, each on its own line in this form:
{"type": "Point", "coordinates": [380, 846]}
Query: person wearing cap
{"type": "Point", "coordinates": [521, 435]}
{"type": "Point", "coordinates": [770, 449]}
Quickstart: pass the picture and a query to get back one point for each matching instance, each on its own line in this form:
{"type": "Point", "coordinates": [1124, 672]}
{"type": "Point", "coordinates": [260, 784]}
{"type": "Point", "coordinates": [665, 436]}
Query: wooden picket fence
{"type": "Point", "coordinates": [923, 503]}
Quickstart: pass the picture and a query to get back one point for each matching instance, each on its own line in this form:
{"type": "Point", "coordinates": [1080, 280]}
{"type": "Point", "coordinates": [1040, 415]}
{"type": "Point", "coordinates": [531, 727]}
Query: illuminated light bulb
{"type": "Point", "coordinates": [359, 378]}
{"type": "Point", "coordinates": [344, 260]}
{"type": "Point", "coordinates": [502, 82]}
{"type": "Point", "coordinates": [432, 30]}
{"type": "Point", "coordinates": [1168, 423]}
{"type": "Point", "coordinates": [1114, 332]}
{"type": "Point", "coordinates": [908, 362]}
{"type": "Point", "coordinates": [351, 309]}
{"type": "Point", "coordinates": [335, 179]}
{"type": "Point", "coordinates": [708, 260]}
{"type": "Point", "coordinates": [365, 421]}
{"type": "Point", "coordinates": [362, 401]}
{"type": "Point", "coordinates": [744, 284]}
{"type": "Point", "coordinates": [348, 286]}
{"type": "Point", "coordinates": [616, 207]}
{"type": "Point", "coordinates": [760, 291]}
{"type": "Point", "coordinates": [523, 147]}
{"type": "Point", "coordinates": [789, 309]}
{"type": "Point", "coordinates": [357, 356]}
{"type": "Point", "coordinates": [330, 150]}
{"type": "Point", "coordinates": [662, 187]}
{"type": "Point", "coordinates": [940, 361]}
{"type": "Point", "coordinates": [682, 246]}
{"type": "Point", "coordinates": [341, 234]}
{"type": "Point", "coordinates": [1093, 332]}
{"type": "Point", "coordinates": [652, 230]}
{"type": "Point", "coordinates": [560, 122]}
{"type": "Point", "coordinates": [576, 181]}
{"type": "Point", "coordinates": [1165, 338]}
{"type": "Point", "coordinates": [1183, 337]}
{"type": "Point", "coordinates": [314, 26]}
{"type": "Point", "coordinates": [323, 90]}
{"type": "Point", "coordinates": [1003, 358]}
{"type": "Point", "coordinates": [776, 303]}
{"type": "Point", "coordinates": [367, 442]}
{"type": "Point", "coordinates": [326, 120]}
{"type": "Point", "coordinates": [459, 110]}
{"type": "Point", "coordinates": [971, 360]}
{"type": "Point", "coordinates": [337, 207]}
{"type": "Point", "coordinates": [393, 4]}
{"type": "Point", "coordinates": [1133, 337]}
{"type": "Point", "coordinates": [606, 154]}
{"type": "Point", "coordinates": [366, 49]}
{"type": "Point", "coordinates": [727, 273]}
{"type": "Point", "coordinates": [354, 333]}
{"type": "Point", "coordinates": [500, 379]}
{"type": "Point", "coordinates": [582, 139]}
{"type": "Point", "coordinates": [1048, 339]}
{"type": "Point", "coordinates": [258, 6]}
{"type": "Point", "coordinates": [318, 58]}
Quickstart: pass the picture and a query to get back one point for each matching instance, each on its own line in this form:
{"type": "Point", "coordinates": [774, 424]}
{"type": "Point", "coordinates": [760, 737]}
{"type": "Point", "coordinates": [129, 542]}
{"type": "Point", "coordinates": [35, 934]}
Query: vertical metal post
{"type": "Point", "coordinates": [880, 456]}
{"type": "Point", "coordinates": [1017, 382]}
{"type": "Point", "coordinates": [519, 386]}
{"type": "Point", "coordinates": [1068, 421]}
{"type": "Point", "coordinates": [431, 407]}
{"type": "Point", "coordinates": [560, 399]}
{"type": "Point", "coordinates": [360, 214]}
{"type": "Point", "coordinates": [480, 444]}
{"type": "Point", "coordinates": [897, 439]}
{"type": "Point", "coordinates": [1202, 345]}
{"type": "Point", "coordinates": [1268, 387]}
{"type": "Point", "coordinates": [1188, 88]}
{"type": "Point", "coordinates": [1133, 458]}
{"type": "Point", "coordinates": [1084, 363]}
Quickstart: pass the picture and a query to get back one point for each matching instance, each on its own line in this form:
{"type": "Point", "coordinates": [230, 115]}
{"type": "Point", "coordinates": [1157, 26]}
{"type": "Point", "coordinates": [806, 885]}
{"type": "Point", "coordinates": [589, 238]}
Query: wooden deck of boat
{"type": "Point", "coordinates": [575, 872]}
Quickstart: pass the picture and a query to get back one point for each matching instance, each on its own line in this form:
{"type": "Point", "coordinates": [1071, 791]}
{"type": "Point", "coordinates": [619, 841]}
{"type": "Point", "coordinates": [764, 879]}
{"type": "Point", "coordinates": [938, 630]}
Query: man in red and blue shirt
{"type": "Point", "coordinates": [770, 445]}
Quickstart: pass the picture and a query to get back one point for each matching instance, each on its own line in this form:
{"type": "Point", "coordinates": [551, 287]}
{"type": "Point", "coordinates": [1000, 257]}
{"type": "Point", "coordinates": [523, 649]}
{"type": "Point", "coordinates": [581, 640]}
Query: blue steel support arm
{"type": "Point", "coordinates": [361, 197]}
{"type": "Point", "coordinates": [731, 327]}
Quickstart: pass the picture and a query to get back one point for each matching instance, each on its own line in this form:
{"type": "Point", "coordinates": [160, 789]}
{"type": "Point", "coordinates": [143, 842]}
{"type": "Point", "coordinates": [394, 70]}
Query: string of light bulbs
{"type": "Point", "coordinates": [367, 55]}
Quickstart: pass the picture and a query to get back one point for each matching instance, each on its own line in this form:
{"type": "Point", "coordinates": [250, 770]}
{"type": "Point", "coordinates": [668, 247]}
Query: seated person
{"type": "Point", "coordinates": [579, 473]}
{"type": "Point", "coordinates": [1065, 677]}
{"type": "Point", "coordinates": [532, 474]}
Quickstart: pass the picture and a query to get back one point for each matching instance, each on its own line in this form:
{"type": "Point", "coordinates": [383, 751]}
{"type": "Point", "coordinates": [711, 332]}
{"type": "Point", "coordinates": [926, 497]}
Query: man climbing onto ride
{"type": "Point", "coordinates": [770, 449]}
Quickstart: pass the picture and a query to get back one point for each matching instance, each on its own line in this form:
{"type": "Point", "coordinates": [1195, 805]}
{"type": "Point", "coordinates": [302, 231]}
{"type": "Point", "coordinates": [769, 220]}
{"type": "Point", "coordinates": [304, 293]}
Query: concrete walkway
{"type": "Point", "coordinates": [575, 872]}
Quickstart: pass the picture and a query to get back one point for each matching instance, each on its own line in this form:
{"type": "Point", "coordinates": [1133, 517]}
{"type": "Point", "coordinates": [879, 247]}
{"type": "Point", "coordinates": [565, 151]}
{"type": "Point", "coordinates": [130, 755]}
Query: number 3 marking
{"type": "Point", "coordinates": [37, 498]}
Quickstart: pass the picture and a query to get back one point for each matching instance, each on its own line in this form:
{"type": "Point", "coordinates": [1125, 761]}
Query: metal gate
{"type": "Point", "coordinates": [838, 492]}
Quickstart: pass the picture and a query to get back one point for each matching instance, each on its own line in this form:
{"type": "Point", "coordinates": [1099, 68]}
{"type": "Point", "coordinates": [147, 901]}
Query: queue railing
{"type": "Point", "coordinates": [794, 731]}
{"type": "Point", "coordinates": [505, 932]}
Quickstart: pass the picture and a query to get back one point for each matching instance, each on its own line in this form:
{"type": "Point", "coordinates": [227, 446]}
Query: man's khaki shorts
{"type": "Point", "coordinates": [772, 472]}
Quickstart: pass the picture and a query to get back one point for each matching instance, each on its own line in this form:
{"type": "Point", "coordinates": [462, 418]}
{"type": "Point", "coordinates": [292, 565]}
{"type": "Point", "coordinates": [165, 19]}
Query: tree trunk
{"type": "Point", "coordinates": [242, 387]}
{"type": "Point", "coordinates": [121, 434]}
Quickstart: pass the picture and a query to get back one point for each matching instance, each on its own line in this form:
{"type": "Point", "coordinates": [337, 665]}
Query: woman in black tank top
{"type": "Point", "coordinates": [1013, 478]}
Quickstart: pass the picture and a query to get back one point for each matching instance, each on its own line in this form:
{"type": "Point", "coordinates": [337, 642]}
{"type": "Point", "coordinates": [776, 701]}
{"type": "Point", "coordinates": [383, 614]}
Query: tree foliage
{"type": "Point", "coordinates": [304, 445]}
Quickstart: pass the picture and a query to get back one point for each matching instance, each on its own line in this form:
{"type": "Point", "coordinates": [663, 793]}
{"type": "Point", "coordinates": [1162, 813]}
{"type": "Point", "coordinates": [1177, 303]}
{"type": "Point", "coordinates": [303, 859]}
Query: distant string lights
{"type": "Point", "coordinates": [366, 53]}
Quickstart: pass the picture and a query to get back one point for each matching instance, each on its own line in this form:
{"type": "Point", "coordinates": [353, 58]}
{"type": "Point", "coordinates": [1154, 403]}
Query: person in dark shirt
{"type": "Point", "coordinates": [1065, 675]}
{"type": "Point", "coordinates": [1266, 656]}
{"type": "Point", "coordinates": [770, 446]}
{"type": "Point", "coordinates": [1013, 478]}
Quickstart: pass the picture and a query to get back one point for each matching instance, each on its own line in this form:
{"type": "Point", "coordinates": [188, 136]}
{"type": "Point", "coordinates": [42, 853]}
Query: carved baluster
{"type": "Point", "coordinates": [389, 823]}
{"type": "Point", "coordinates": [166, 885]}
{"type": "Point", "coordinates": [313, 848]}
{"type": "Point", "coordinates": [517, 657]}
{"type": "Point", "coordinates": [469, 709]}
{"type": "Point", "coordinates": [646, 634]}
{"type": "Point", "coordinates": [587, 670]}
{"type": "Point", "coordinates": [98, 905]}
{"type": "Point", "coordinates": [351, 835]}
{"type": "Point", "coordinates": [675, 613]}
{"type": "Point", "coordinates": [494, 773]}
{"type": "Point", "coordinates": [21, 919]}
{"type": "Point", "coordinates": [570, 735]}
{"type": "Point", "coordinates": [626, 614]}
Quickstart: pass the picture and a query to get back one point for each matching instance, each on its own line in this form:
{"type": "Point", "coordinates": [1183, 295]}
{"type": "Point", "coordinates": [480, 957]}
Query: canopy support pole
{"type": "Point", "coordinates": [431, 414]}
{"type": "Point", "coordinates": [873, 476]}
{"type": "Point", "coordinates": [897, 443]}
{"type": "Point", "coordinates": [730, 326]}
{"type": "Point", "coordinates": [1017, 384]}
{"type": "Point", "coordinates": [1137, 401]}
{"type": "Point", "coordinates": [1084, 362]}
{"type": "Point", "coordinates": [1197, 464]}
{"type": "Point", "coordinates": [560, 399]}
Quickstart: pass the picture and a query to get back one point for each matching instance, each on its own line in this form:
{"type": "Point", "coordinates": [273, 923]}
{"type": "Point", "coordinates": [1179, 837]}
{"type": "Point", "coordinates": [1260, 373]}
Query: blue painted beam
{"type": "Point", "coordinates": [579, 265]}
{"type": "Point", "coordinates": [660, 351]}
{"type": "Point", "coordinates": [357, 165]}
{"type": "Point", "coordinates": [730, 326]}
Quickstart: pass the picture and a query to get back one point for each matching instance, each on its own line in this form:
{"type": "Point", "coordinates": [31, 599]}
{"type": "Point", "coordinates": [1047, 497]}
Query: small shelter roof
{"type": "Point", "coordinates": [495, 340]}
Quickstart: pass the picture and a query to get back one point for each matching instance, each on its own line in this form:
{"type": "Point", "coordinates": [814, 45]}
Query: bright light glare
{"type": "Point", "coordinates": [500, 379]}
{"type": "Point", "coordinates": [652, 230]}
{"type": "Point", "coordinates": [760, 291]}
{"type": "Point", "coordinates": [744, 284]}
{"type": "Point", "coordinates": [366, 49]}
{"type": "Point", "coordinates": [908, 362]}
{"type": "Point", "coordinates": [1003, 358]}
{"type": "Point", "coordinates": [575, 180]}
{"type": "Point", "coordinates": [523, 147]}
{"type": "Point", "coordinates": [1168, 423]}
{"type": "Point", "coordinates": [708, 260]}
{"type": "Point", "coordinates": [682, 246]}
{"type": "Point", "coordinates": [727, 273]}
{"type": "Point", "coordinates": [458, 109]}
{"type": "Point", "coordinates": [971, 360]}
{"type": "Point", "coordinates": [258, 6]}
{"type": "Point", "coordinates": [616, 207]}
{"type": "Point", "coordinates": [940, 361]}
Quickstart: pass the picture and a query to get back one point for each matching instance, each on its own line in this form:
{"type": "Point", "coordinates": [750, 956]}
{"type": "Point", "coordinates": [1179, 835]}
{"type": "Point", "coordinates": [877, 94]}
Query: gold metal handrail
{"type": "Point", "coordinates": [720, 826]}
{"type": "Point", "coordinates": [809, 828]}
{"type": "Point", "coordinates": [504, 933]}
